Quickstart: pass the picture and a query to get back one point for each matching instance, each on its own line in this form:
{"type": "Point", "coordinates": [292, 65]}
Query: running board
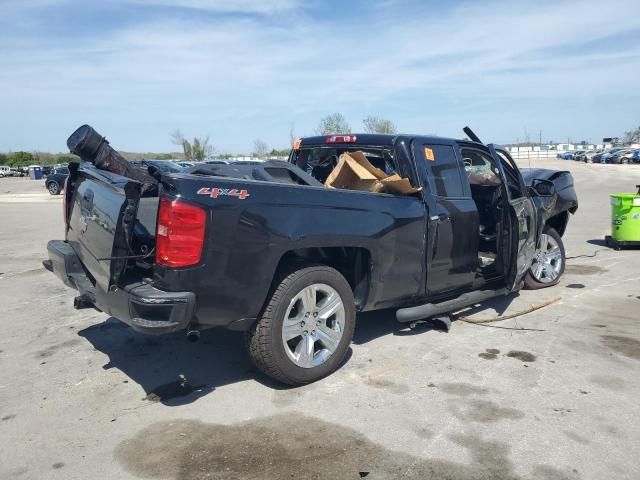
{"type": "Point", "coordinates": [411, 314]}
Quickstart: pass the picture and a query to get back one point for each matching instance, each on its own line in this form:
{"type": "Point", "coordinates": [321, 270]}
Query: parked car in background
{"type": "Point", "coordinates": [46, 171]}
{"type": "Point", "coordinates": [215, 162]}
{"type": "Point", "coordinates": [605, 156]}
{"type": "Point", "coordinates": [588, 156]}
{"type": "Point", "coordinates": [577, 155]}
{"type": "Point", "coordinates": [165, 166]}
{"type": "Point", "coordinates": [54, 181]}
{"type": "Point", "coordinates": [621, 157]}
{"type": "Point", "coordinates": [565, 155]}
{"type": "Point", "coordinates": [185, 164]}
{"type": "Point", "coordinates": [5, 171]}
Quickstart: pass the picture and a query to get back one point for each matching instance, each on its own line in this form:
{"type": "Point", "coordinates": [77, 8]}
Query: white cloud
{"type": "Point", "coordinates": [225, 6]}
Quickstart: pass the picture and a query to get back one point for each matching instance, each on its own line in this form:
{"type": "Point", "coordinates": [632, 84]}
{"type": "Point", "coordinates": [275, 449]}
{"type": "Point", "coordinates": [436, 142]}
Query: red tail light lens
{"type": "Point", "coordinates": [179, 234]}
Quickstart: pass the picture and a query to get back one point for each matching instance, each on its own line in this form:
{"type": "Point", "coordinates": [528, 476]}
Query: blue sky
{"type": "Point", "coordinates": [239, 70]}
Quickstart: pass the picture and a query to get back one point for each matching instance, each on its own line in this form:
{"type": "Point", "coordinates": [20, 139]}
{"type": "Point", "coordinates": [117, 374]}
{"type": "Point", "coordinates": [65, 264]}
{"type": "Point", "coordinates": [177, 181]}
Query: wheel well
{"type": "Point", "coordinates": [354, 263]}
{"type": "Point", "coordinates": [559, 222]}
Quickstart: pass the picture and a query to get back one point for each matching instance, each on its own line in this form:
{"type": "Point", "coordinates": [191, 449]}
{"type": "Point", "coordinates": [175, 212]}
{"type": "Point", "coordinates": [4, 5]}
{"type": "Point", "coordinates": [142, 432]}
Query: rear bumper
{"type": "Point", "coordinates": [138, 304]}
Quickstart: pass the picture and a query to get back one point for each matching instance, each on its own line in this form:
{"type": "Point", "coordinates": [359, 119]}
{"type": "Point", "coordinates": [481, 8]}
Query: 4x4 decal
{"type": "Point", "coordinates": [216, 192]}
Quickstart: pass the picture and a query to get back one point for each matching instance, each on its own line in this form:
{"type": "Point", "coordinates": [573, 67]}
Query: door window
{"type": "Point", "coordinates": [443, 171]}
{"type": "Point", "coordinates": [480, 167]}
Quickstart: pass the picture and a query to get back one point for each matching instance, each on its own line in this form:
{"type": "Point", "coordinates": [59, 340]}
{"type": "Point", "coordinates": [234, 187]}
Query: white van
{"type": "Point", "coordinates": [5, 171]}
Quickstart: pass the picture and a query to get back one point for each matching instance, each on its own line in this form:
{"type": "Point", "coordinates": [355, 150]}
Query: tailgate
{"type": "Point", "coordinates": [102, 213]}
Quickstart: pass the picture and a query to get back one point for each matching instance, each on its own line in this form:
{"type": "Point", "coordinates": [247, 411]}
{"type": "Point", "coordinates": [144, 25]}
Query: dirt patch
{"type": "Point", "coordinates": [462, 389]}
{"type": "Point", "coordinates": [522, 356]}
{"type": "Point", "coordinates": [9, 417]}
{"type": "Point", "coordinates": [51, 350]}
{"type": "Point", "coordinates": [425, 433]}
{"type": "Point", "coordinates": [576, 285]}
{"type": "Point", "coordinates": [386, 384]}
{"type": "Point", "coordinates": [611, 383]}
{"type": "Point", "coordinates": [483, 411]}
{"type": "Point", "coordinates": [629, 347]}
{"type": "Point", "coordinates": [576, 438]}
{"type": "Point", "coordinates": [276, 447]}
{"type": "Point", "coordinates": [584, 269]}
{"type": "Point", "coordinates": [57, 465]}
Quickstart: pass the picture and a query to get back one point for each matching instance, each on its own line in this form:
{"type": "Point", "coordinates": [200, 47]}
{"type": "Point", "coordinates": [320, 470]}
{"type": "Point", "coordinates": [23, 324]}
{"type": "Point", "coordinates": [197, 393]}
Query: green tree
{"type": "Point", "coordinates": [279, 153]}
{"type": "Point", "coordinates": [333, 124]}
{"type": "Point", "coordinates": [20, 159]}
{"type": "Point", "coordinates": [3, 158]}
{"type": "Point", "coordinates": [197, 150]}
{"type": "Point", "coordinates": [373, 124]}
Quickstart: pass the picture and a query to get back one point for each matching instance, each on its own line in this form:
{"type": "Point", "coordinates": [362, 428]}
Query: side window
{"type": "Point", "coordinates": [480, 167]}
{"type": "Point", "coordinates": [443, 171]}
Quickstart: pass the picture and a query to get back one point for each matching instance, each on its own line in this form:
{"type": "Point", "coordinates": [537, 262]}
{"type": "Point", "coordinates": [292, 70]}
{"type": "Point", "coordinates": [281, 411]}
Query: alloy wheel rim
{"type": "Point", "coordinates": [313, 325]}
{"type": "Point", "coordinates": [53, 188]}
{"type": "Point", "coordinates": [547, 262]}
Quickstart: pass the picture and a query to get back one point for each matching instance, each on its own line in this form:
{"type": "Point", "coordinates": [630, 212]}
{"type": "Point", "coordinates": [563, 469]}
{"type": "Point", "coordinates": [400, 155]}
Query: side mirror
{"type": "Point", "coordinates": [544, 188]}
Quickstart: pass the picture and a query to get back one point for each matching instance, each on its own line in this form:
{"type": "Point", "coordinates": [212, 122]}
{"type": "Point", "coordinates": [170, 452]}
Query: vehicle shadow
{"type": "Point", "coordinates": [372, 325]}
{"type": "Point", "coordinates": [169, 368]}
{"type": "Point", "coordinates": [173, 371]}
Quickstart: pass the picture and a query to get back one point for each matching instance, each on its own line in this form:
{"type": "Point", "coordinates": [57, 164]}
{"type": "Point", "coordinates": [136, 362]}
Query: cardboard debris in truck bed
{"type": "Point", "coordinates": [355, 172]}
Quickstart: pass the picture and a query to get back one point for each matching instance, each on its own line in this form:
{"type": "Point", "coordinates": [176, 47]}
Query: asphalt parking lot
{"type": "Point", "coordinates": [83, 396]}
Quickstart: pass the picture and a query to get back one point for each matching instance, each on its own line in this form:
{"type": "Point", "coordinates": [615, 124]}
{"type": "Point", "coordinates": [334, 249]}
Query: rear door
{"type": "Point", "coordinates": [452, 221]}
{"type": "Point", "coordinates": [523, 219]}
{"type": "Point", "coordinates": [102, 213]}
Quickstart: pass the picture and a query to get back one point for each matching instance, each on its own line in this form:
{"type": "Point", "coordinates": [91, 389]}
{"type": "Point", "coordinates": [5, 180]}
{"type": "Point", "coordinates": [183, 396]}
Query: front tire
{"type": "Point", "coordinates": [305, 328]}
{"type": "Point", "coordinates": [549, 263]}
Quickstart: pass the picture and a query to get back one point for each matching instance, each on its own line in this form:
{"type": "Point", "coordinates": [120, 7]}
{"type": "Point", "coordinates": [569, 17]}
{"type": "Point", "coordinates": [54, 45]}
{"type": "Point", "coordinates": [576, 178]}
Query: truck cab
{"type": "Point", "coordinates": [480, 225]}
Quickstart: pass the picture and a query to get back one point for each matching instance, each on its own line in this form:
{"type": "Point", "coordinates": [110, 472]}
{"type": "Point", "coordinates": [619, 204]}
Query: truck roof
{"type": "Point", "coordinates": [370, 139]}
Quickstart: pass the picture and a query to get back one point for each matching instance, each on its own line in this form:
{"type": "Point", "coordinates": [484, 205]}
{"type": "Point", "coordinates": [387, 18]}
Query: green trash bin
{"type": "Point", "coordinates": [625, 218]}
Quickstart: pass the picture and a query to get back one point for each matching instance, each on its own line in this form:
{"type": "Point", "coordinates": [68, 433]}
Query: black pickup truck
{"type": "Point", "coordinates": [268, 249]}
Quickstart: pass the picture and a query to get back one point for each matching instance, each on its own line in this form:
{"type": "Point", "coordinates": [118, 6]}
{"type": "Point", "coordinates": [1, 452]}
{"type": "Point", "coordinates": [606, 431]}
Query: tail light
{"type": "Point", "coordinates": [179, 233]}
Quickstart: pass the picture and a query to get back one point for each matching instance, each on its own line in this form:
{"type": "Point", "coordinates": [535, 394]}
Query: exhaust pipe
{"type": "Point", "coordinates": [193, 335]}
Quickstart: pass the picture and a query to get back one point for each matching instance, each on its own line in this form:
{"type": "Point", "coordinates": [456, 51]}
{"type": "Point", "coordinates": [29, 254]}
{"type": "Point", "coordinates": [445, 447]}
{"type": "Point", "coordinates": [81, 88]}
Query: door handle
{"type": "Point", "coordinates": [443, 217]}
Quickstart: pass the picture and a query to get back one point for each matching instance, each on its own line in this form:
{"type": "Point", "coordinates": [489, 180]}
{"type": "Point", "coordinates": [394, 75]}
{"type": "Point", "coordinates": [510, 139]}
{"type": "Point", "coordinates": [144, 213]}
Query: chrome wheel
{"type": "Point", "coordinates": [548, 260]}
{"type": "Point", "coordinates": [313, 325]}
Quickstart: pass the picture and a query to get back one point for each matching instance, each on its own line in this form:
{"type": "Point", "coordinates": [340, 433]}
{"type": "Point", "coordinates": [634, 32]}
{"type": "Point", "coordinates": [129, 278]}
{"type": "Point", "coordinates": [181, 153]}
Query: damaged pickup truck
{"type": "Point", "coordinates": [267, 248]}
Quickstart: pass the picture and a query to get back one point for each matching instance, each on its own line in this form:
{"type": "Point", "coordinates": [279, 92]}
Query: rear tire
{"type": "Point", "coordinates": [54, 188]}
{"type": "Point", "coordinates": [550, 261]}
{"type": "Point", "coordinates": [305, 329]}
